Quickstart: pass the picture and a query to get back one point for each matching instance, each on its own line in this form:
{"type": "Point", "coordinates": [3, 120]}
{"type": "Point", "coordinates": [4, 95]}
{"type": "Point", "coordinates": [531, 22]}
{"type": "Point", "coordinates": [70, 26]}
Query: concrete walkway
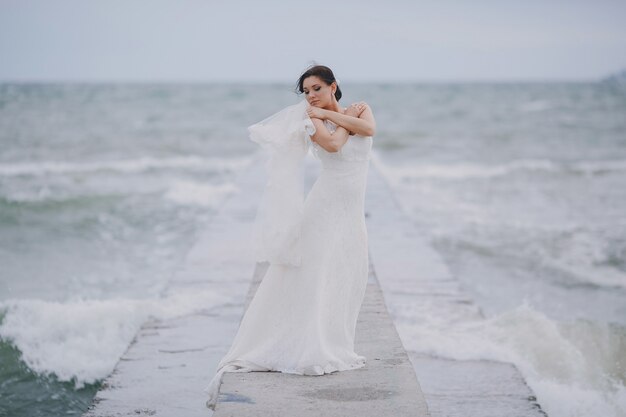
{"type": "Point", "coordinates": [387, 385]}
{"type": "Point", "coordinates": [170, 361]}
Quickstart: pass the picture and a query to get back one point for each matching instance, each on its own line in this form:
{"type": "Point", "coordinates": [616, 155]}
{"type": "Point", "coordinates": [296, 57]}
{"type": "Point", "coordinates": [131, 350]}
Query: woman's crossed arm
{"type": "Point", "coordinates": [358, 119]}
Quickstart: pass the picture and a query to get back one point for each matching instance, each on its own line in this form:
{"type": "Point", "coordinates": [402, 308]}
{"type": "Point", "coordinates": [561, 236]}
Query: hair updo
{"type": "Point", "coordinates": [321, 71]}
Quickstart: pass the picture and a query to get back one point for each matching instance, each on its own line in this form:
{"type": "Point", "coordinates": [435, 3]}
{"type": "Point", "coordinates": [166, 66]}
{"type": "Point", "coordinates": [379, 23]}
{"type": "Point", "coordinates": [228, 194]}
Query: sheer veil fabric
{"type": "Point", "coordinates": [277, 226]}
{"type": "Point", "coordinates": [302, 318]}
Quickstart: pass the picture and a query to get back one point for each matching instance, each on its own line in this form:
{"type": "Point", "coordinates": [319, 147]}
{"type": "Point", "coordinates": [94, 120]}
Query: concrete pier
{"type": "Point", "coordinates": [170, 361]}
{"type": "Point", "coordinates": [387, 385]}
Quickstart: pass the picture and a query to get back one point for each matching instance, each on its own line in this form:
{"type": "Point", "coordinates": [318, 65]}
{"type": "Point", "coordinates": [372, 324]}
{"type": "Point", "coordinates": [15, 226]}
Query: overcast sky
{"type": "Point", "coordinates": [274, 40]}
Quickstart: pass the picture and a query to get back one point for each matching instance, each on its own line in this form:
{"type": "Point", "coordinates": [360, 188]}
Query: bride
{"type": "Point", "coordinates": [302, 318]}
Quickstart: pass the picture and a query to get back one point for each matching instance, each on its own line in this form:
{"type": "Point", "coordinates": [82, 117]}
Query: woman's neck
{"type": "Point", "coordinates": [334, 107]}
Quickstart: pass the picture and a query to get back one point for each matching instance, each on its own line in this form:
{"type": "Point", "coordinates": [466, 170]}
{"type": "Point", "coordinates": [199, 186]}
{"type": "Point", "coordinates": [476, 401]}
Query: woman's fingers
{"type": "Point", "coordinates": [352, 110]}
{"type": "Point", "coordinates": [358, 107]}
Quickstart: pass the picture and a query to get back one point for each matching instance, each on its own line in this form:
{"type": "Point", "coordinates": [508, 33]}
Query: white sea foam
{"type": "Point", "coordinates": [397, 174]}
{"type": "Point", "coordinates": [26, 195]}
{"type": "Point", "coordinates": [459, 171]}
{"type": "Point", "coordinates": [599, 167]}
{"type": "Point", "coordinates": [124, 165]}
{"type": "Point", "coordinates": [535, 106]}
{"type": "Point", "coordinates": [585, 258]}
{"type": "Point", "coordinates": [183, 192]}
{"type": "Point", "coordinates": [192, 193]}
{"type": "Point", "coordinates": [556, 359]}
{"type": "Point", "coordinates": [82, 340]}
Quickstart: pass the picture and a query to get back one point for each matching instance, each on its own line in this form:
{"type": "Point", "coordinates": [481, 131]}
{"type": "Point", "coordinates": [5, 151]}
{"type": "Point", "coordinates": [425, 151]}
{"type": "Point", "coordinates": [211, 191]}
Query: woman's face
{"type": "Point", "coordinates": [317, 92]}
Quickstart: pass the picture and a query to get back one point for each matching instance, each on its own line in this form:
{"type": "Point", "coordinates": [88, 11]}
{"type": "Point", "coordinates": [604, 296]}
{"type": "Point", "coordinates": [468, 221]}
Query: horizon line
{"type": "Point", "coordinates": [282, 81]}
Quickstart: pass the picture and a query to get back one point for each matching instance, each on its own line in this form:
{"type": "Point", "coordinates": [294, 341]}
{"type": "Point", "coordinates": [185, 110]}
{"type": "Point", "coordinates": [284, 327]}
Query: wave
{"type": "Point", "coordinates": [192, 193]}
{"type": "Point", "coordinates": [461, 171]}
{"type": "Point", "coordinates": [136, 165]}
{"type": "Point", "coordinates": [584, 261]}
{"type": "Point", "coordinates": [597, 167]}
{"type": "Point", "coordinates": [575, 368]}
{"type": "Point", "coordinates": [43, 196]}
{"type": "Point", "coordinates": [82, 340]}
{"type": "Point", "coordinates": [535, 106]}
{"type": "Point", "coordinates": [182, 192]}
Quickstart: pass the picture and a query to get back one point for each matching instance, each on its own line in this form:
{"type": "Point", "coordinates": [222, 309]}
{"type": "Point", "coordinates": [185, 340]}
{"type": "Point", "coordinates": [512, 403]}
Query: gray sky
{"type": "Point", "coordinates": [274, 40]}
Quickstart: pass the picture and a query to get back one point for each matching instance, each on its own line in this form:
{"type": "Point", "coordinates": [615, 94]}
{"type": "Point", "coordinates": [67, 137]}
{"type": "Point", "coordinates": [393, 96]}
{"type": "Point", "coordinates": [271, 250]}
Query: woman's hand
{"type": "Point", "coordinates": [316, 112]}
{"type": "Point", "coordinates": [355, 109]}
{"type": "Point", "coordinates": [356, 119]}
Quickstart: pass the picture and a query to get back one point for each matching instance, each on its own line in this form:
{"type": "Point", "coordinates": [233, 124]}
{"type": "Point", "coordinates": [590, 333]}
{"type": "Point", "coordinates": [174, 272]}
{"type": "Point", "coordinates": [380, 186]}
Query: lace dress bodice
{"type": "Point", "coordinates": [357, 148]}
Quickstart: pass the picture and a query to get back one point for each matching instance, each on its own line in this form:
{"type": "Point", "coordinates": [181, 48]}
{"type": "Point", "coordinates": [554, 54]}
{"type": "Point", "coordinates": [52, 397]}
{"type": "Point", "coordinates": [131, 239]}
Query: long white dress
{"type": "Point", "coordinates": [302, 319]}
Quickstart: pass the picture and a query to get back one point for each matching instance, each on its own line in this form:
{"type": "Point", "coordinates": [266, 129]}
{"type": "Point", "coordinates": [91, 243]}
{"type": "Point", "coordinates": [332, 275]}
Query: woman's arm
{"type": "Point", "coordinates": [364, 124]}
{"type": "Point", "coordinates": [331, 142]}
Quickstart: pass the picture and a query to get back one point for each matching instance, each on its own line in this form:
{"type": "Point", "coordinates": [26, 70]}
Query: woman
{"type": "Point", "coordinates": [302, 318]}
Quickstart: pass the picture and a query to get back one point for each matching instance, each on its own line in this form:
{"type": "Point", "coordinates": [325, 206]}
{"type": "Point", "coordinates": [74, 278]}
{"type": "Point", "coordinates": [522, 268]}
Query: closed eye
{"type": "Point", "coordinates": [314, 88]}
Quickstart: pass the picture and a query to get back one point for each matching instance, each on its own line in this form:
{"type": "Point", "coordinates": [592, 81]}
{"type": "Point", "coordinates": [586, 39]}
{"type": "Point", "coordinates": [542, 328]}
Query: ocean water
{"type": "Point", "coordinates": [520, 187]}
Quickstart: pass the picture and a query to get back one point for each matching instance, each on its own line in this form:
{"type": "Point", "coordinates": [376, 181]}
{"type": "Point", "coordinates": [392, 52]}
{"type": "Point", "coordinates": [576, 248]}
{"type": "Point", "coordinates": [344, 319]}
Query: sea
{"type": "Point", "coordinates": [520, 187]}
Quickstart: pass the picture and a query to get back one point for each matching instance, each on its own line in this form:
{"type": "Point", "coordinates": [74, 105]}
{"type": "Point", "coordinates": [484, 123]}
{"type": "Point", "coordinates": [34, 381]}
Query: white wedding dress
{"type": "Point", "coordinates": [302, 319]}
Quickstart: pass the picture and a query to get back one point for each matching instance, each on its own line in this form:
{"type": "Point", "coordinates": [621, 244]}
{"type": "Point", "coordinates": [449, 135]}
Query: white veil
{"type": "Point", "coordinates": [285, 135]}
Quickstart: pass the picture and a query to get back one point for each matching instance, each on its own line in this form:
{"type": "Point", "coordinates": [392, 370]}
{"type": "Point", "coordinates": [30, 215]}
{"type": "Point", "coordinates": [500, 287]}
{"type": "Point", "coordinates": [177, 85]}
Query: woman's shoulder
{"type": "Point", "coordinates": [355, 103]}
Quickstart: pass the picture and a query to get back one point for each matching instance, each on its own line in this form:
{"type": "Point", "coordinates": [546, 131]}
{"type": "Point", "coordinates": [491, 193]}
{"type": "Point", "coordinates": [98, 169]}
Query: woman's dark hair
{"type": "Point", "coordinates": [321, 71]}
